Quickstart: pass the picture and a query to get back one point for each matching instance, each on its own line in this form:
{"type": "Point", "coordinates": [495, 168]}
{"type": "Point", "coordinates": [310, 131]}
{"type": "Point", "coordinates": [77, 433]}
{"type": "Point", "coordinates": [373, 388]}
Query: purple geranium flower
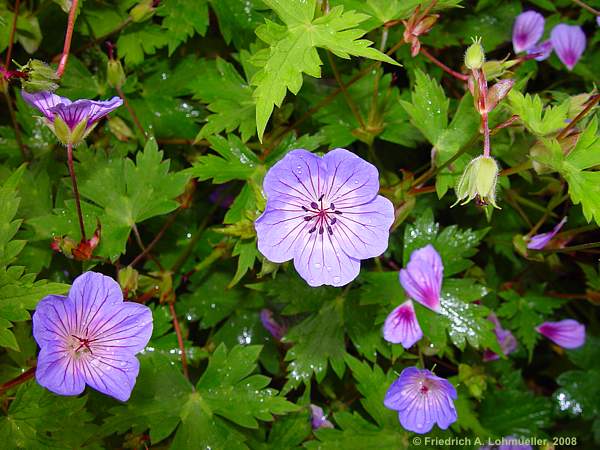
{"type": "Point", "coordinates": [567, 333]}
{"type": "Point", "coordinates": [318, 418]}
{"type": "Point", "coordinates": [539, 241]}
{"type": "Point", "coordinates": [569, 43]}
{"type": "Point", "coordinates": [422, 400]}
{"type": "Point", "coordinates": [507, 341]}
{"type": "Point", "coordinates": [422, 278]}
{"type": "Point", "coordinates": [325, 214]}
{"type": "Point", "coordinates": [527, 30]}
{"type": "Point", "coordinates": [401, 326]}
{"type": "Point", "coordinates": [90, 337]}
{"type": "Point", "coordinates": [276, 330]}
{"type": "Point", "coordinates": [541, 51]}
{"type": "Point", "coordinates": [70, 121]}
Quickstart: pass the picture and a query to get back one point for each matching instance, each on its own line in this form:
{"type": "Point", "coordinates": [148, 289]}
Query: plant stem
{"type": "Point", "coordinates": [157, 238]}
{"type": "Point", "coordinates": [179, 339]}
{"type": "Point", "coordinates": [441, 65]}
{"type": "Point", "coordinates": [591, 103]}
{"type": "Point", "coordinates": [75, 190]}
{"type": "Point", "coordinates": [11, 36]}
{"type": "Point", "coordinates": [132, 113]}
{"type": "Point", "coordinates": [347, 96]}
{"type": "Point", "coordinates": [62, 65]}
{"type": "Point", "coordinates": [139, 241]}
{"type": "Point", "coordinates": [573, 248]}
{"type": "Point", "coordinates": [587, 7]}
{"type": "Point", "coordinates": [25, 153]}
{"type": "Point", "coordinates": [28, 374]}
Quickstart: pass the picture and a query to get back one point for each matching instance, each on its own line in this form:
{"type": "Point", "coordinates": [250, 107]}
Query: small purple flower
{"type": "Point", "coordinates": [507, 341]}
{"type": "Point", "coordinates": [527, 30]}
{"type": "Point", "coordinates": [566, 333]}
{"type": "Point", "coordinates": [569, 43]}
{"type": "Point", "coordinates": [422, 278]}
{"type": "Point", "coordinates": [401, 326]}
{"type": "Point", "coordinates": [90, 337]}
{"type": "Point", "coordinates": [70, 121]}
{"type": "Point", "coordinates": [318, 418]}
{"type": "Point", "coordinates": [422, 400]}
{"type": "Point", "coordinates": [542, 51]}
{"type": "Point", "coordinates": [276, 330]}
{"type": "Point", "coordinates": [539, 241]}
{"type": "Point", "coordinates": [325, 214]}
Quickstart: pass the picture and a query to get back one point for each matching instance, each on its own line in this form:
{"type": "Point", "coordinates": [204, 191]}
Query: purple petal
{"type": "Point", "coordinates": [422, 400]}
{"type": "Point", "coordinates": [351, 180]}
{"type": "Point", "coordinates": [402, 327]}
{"type": "Point", "coordinates": [58, 372]}
{"type": "Point", "coordinates": [512, 443]}
{"type": "Point", "coordinates": [112, 373]}
{"type": "Point", "coordinates": [505, 338]}
{"type": "Point", "coordinates": [542, 50]}
{"type": "Point", "coordinates": [51, 320]}
{"type": "Point", "coordinates": [539, 241]}
{"type": "Point", "coordinates": [100, 108]}
{"type": "Point", "coordinates": [363, 230]}
{"type": "Point", "coordinates": [320, 260]}
{"type": "Point", "coordinates": [527, 30]}
{"type": "Point", "coordinates": [566, 333]}
{"type": "Point", "coordinates": [569, 43]}
{"type": "Point", "coordinates": [422, 278]}
{"type": "Point", "coordinates": [318, 418]}
{"type": "Point", "coordinates": [276, 330]}
{"type": "Point", "coordinates": [74, 113]}
{"type": "Point", "coordinates": [45, 101]}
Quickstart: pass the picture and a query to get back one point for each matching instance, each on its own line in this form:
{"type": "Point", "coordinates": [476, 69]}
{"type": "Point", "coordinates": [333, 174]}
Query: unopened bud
{"type": "Point", "coordinates": [120, 129]}
{"type": "Point", "coordinates": [39, 77]}
{"type": "Point", "coordinates": [128, 279]}
{"type": "Point", "coordinates": [115, 75]}
{"type": "Point", "coordinates": [475, 56]}
{"type": "Point", "coordinates": [497, 92]}
{"type": "Point", "coordinates": [142, 11]}
{"type": "Point", "coordinates": [478, 181]}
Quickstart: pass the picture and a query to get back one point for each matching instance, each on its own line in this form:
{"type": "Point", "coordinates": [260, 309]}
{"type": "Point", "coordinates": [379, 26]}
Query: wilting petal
{"type": "Point", "coordinates": [363, 230]}
{"type": "Point", "coordinates": [402, 327]}
{"type": "Point", "coordinates": [422, 278]}
{"type": "Point", "coordinates": [318, 418]}
{"type": "Point", "coordinates": [58, 372]}
{"type": "Point", "coordinates": [126, 326]}
{"type": "Point", "coordinates": [112, 373]}
{"type": "Point", "coordinates": [52, 318]}
{"type": "Point", "coordinates": [351, 180]}
{"type": "Point", "coordinates": [569, 43]}
{"type": "Point", "coordinates": [539, 241]}
{"type": "Point", "coordinates": [267, 320]}
{"type": "Point", "coordinates": [422, 400]}
{"type": "Point", "coordinates": [566, 333]}
{"type": "Point", "coordinates": [542, 50]}
{"type": "Point", "coordinates": [319, 260]}
{"type": "Point", "coordinates": [45, 101]}
{"type": "Point", "coordinates": [100, 108]}
{"type": "Point", "coordinates": [527, 30]}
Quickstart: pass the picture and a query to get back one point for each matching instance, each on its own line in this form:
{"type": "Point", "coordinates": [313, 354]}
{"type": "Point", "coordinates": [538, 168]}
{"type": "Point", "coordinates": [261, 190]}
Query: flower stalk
{"type": "Point", "coordinates": [62, 65]}
{"type": "Point", "coordinates": [75, 190]}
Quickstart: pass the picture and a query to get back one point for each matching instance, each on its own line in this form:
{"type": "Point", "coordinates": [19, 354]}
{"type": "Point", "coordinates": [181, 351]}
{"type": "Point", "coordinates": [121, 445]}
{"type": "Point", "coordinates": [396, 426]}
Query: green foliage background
{"type": "Point", "coordinates": [223, 89]}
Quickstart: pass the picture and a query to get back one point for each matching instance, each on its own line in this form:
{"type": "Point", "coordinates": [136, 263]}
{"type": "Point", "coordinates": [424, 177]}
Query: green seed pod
{"type": "Point", "coordinates": [478, 181]}
{"type": "Point", "coordinates": [475, 56]}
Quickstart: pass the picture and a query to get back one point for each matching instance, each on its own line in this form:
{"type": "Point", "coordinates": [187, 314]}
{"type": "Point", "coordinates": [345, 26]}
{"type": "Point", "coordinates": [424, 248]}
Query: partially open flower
{"type": "Point", "coordinates": [71, 122]}
{"type": "Point", "coordinates": [506, 340]}
{"type": "Point", "coordinates": [527, 30]}
{"type": "Point", "coordinates": [569, 43]}
{"type": "Point", "coordinates": [539, 241]}
{"type": "Point", "coordinates": [422, 277]}
{"type": "Point", "coordinates": [567, 333]}
{"type": "Point", "coordinates": [401, 326]}
{"type": "Point", "coordinates": [417, 25]}
{"type": "Point", "coordinates": [541, 51]}
{"type": "Point", "coordinates": [478, 181]}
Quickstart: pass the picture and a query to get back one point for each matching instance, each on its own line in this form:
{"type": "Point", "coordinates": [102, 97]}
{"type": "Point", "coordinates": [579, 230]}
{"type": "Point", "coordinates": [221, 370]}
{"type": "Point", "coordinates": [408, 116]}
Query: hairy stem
{"type": "Point", "coordinates": [11, 36]}
{"type": "Point", "coordinates": [591, 103]}
{"type": "Point", "coordinates": [27, 375]}
{"type": "Point", "coordinates": [159, 235]}
{"type": "Point", "coordinates": [184, 363]}
{"type": "Point", "coordinates": [145, 250]}
{"type": "Point", "coordinates": [62, 65]}
{"type": "Point", "coordinates": [75, 190]}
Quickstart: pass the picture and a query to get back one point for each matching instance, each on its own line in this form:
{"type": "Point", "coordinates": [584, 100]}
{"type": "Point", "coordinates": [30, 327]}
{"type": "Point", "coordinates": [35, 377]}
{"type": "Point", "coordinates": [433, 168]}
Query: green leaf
{"type": "Point", "coordinates": [539, 120]}
{"type": "Point", "coordinates": [238, 19]}
{"type": "Point", "coordinates": [247, 252]}
{"type": "Point", "coordinates": [429, 108]}
{"type": "Point", "coordinates": [140, 39]}
{"type": "Point", "coordinates": [293, 50]}
{"type": "Point", "coordinates": [236, 161]}
{"type": "Point", "coordinates": [319, 339]}
{"type": "Point", "coordinates": [182, 19]}
{"type": "Point", "coordinates": [579, 394]}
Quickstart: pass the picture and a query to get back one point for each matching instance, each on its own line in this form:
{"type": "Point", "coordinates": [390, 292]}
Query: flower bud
{"type": "Point", "coordinates": [39, 77]}
{"type": "Point", "coordinates": [142, 11]}
{"type": "Point", "coordinates": [494, 69]}
{"type": "Point", "coordinates": [128, 279]}
{"type": "Point", "coordinates": [120, 129]}
{"type": "Point", "coordinates": [478, 181]}
{"type": "Point", "coordinates": [115, 75]}
{"type": "Point", "coordinates": [475, 56]}
{"type": "Point", "coordinates": [497, 92]}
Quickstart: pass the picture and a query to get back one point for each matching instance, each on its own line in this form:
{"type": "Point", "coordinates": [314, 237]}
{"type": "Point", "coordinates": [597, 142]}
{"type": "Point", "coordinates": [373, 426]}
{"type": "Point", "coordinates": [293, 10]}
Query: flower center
{"type": "Point", "coordinates": [82, 345]}
{"type": "Point", "coordinates": [424, 388]}
{"type": "Point", "coordinates": [324, 217]}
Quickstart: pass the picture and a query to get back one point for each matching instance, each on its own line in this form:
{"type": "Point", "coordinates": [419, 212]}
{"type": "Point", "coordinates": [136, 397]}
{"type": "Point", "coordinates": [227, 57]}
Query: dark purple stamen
{"type": "Point", "coordinates": [333, 220]}
{"type": "Point", "coordinates": [305, 209]}
{"type": "Point", "coordinates": [329, 230]}
{"type": "Point", "coordinates": [314, 205]}
{"type": "Point", "coordinates": [307, 218]}
{"type": "Point", "coordinates": [312, 230]}
{"type": "Point", "coordinates": [321, 229]}
{"type": "Point", "coordinates": [322, 215]}
{"type": "Point", "coordinates": [332, 207]}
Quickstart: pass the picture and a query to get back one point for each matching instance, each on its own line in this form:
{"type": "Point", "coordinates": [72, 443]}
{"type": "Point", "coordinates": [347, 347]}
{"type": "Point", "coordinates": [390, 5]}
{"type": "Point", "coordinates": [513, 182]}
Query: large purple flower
{"type": "Point", "coordinates": [422, 278]}
{"type": "Point", "coordinates": [422, 400]}
{"type": "Point", "coordinates": [90, 337]}
{"type": "Point", "coordinates": [567, 333]}
{"type": "Point", "coordinates": [569, 43]}
{"type": "Point", "coordinates": [539, 241]}
{"type": "Point", "coordinates": [527, 30]}
{"type": "Point", "coordinates": [505, 338]}
{"type": "Point", "coordinates": [325, 214]}
{"type": "Point", "coordinates": [401, 326]}
{"type": "Point", "coordinates": [70, 121]}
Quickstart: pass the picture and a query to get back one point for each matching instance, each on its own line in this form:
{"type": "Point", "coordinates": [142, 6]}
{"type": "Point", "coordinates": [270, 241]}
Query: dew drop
{"type": "Point", "coordinates": [318, 265]}
{"type": "Point", "coordinates": [336, 279]}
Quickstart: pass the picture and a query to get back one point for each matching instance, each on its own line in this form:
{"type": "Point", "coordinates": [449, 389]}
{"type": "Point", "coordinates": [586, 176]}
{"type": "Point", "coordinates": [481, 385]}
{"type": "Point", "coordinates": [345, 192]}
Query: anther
{"type": "Point", "coordinates": [314, 205]}
{"type": "Point", "coordinates": [329, 230]}
{"type": "Point", "coordinates": [307, 218]}
{"type": "Point", "coordinates": [333, 220]}
{"type": "Point", "coordinates": [305, 209]}
{"type": "Point", "coordinates": [321, 197]}
{"type": "Point", "coordinates": [321, 229]}
{"type": "Point", "coordinates": [312, 230]}
{"type": "Point", "coordinates": [337, 212]}
{"type": "Point", "coordinates": [332, 206]}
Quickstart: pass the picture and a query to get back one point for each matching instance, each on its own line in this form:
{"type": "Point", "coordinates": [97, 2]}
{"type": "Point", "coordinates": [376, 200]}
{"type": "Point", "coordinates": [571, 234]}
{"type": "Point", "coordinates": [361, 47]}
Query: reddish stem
{"type": "Point", "coordinates": [75, 190]}
{"type": "Point", "coordinates": [131, 111]}
{"type": "Point", "coordinates": [444, 67]}
{"type": "Point", "coordinates": [591, 103]}
{"type": "Point", "coordinates": [28, 374]}
{"type": "Point", "coordinates": [179, 339]}
{"type": "Point", "coordinates": [11, 37]}
{"type": "Point", "coordinates": [62, 65]}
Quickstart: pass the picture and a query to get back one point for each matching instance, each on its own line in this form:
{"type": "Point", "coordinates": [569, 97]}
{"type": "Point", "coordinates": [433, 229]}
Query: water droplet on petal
{"type": "Point", "coordinates": [318, 265]}
{"type": "Point", "coordinates": [336, 279]}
